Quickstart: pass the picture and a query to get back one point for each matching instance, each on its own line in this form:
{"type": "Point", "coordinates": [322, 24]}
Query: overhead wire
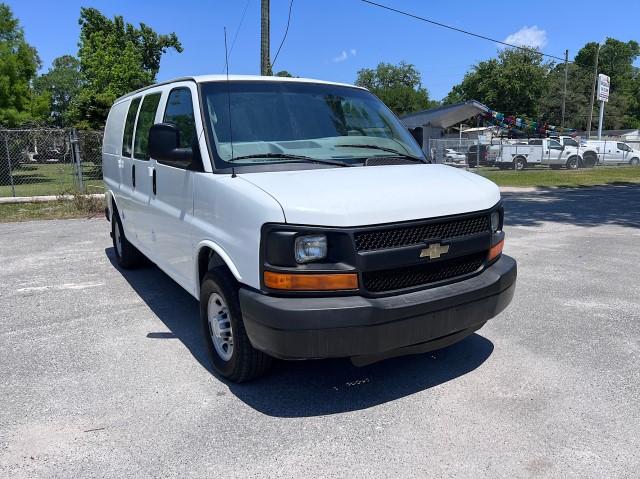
{"type": "Point", "coordinates": [235, 36]}
{"type": "Point", "coordinates": [460, 30]}
{"type": "Point", "coordinates": [286, 31]}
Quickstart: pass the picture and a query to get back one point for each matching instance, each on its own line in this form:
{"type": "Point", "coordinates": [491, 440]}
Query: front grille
{"type": "Point", "coordinates": [423, 274]}
{"type": "Point", "coordinates": [419, 233]}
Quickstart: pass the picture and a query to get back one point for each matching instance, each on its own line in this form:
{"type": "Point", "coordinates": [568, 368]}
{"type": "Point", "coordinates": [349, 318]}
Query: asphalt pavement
{"type": "Point", "coordinates": [103, 372]}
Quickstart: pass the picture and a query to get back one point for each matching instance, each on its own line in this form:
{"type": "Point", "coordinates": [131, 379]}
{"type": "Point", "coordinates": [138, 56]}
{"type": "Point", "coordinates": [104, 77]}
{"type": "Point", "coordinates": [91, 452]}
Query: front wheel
{"type": "Point", "coordinates": [231, 352]}
{"type": "Point", "coordinates": [573, 163]}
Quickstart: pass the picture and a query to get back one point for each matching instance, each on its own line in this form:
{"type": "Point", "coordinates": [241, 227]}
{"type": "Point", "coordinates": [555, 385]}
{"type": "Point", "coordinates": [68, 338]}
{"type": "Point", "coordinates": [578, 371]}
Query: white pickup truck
{"type": "Point", "coordinates": [537, 152]}
{"type": "Point", "coordinates": [588, 153]}
{"type": "Point", "coordinates": [304, 218]}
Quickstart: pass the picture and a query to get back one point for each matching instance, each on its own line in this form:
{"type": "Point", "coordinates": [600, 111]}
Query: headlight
{"type": "Point", "coordinates": [495, 221]}
{"type": "Point", "coordinates": [310, 248]}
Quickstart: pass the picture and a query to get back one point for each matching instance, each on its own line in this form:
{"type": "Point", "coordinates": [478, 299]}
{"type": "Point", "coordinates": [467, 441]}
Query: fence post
{"type": "Point", "coordinates": [75, 152]}
{"type": "Point", "coordinates": [6, 146]}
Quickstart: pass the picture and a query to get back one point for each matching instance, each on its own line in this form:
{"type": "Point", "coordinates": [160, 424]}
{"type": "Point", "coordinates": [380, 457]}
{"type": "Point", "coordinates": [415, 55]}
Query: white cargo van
{"type": "Point", "coordinates": [612, 152]}
{"type": "Point", "coordinates": [304, 218]}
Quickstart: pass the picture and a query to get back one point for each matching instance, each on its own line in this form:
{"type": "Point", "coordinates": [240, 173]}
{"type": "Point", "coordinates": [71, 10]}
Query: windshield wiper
{"type": "Point", "coordinates": [383, 148]}
{"type": "Point", "coordinates": [286, 156]}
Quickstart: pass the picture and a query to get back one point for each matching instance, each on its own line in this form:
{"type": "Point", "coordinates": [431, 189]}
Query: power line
{"type": "Point", "coordinates": [284, 37]}
{"type": "Point", "coordinates": [433, 22]}
{"type": "Point", "coordinates": [235, 36]}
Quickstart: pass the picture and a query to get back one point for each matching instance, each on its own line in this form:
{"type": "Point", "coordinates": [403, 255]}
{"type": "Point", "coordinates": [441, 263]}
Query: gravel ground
{"type": "Point", "coordinates": [103, 372]}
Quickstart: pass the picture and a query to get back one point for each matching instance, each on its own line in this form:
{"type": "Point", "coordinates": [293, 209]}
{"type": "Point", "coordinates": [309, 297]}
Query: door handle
{"type": "Point", "coordinates": [133, 175]}
{"type": "Point", "coordinates": [153, 181]}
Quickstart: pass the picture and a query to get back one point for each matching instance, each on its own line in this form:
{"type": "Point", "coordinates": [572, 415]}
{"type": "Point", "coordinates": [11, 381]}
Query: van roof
{"type": "Point", "coordinates": [220, 78]}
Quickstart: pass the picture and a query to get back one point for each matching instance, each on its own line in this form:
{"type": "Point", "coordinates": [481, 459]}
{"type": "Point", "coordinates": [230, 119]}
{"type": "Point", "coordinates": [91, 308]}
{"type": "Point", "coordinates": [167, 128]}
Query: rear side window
{"type": "Point", "coordinates": [127, 137]}
{"type": "Point", "coordinates": [146, 118]}
{"type": "Point", "coordinates": [535, 142]}
{"type": "Point", "coordinates": [179, 112]}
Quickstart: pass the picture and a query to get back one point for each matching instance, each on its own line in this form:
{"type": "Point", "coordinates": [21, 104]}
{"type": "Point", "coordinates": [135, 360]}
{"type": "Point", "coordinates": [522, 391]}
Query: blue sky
{"type": "Point", "coordinates": [333, 39]}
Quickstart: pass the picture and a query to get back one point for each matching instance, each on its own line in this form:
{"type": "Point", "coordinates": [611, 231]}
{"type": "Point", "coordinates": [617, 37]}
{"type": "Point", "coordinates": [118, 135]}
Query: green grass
{"type": "Point", "coordinates": [81, 206]}
{"type": "Point", "coordinates": [49, 179]}
{"type": "Point", "coordinates": [544, 177]}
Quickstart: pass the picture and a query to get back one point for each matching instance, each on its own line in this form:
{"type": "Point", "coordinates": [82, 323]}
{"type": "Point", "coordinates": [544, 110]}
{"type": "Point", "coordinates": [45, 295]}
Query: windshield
{"type": "Point", "coordinates": [570, 142]}
{"type": "Point", "coordinates": [295, 122]}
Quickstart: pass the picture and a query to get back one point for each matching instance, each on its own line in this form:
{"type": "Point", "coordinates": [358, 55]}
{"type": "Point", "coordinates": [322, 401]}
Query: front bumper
{"type": "Point", "coordinates": [350, 326]}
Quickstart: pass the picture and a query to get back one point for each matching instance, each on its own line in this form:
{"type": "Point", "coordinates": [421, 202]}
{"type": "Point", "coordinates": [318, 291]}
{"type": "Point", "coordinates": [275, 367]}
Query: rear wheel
{"type": "Point", "coordinates": [127, 255]}
{"type": "Point", "coordinates": [519, 163]}
{"type": "Point", "coordinates": [634, 161]}
{"type": "Point", "coordinates": [231, 352]}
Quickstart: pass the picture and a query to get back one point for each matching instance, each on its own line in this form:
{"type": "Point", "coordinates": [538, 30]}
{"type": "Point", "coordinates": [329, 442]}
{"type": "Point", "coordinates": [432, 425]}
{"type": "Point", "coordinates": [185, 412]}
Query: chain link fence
{"type": "Point", "coordinates": [44, 162]}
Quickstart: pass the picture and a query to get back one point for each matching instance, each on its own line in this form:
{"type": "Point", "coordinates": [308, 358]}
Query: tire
{"type": "Point", "coordinates": [232, 354]}
{"type": "Point", "coordinates": [634, 161]}
{"type": "Point", "coordinates": [519, 163]}
{"type": "Point", "coordinates": [127, 255]}
{"type": "Point", "coordinates": [589, 160]}
{"type": "Point", "coordinates": [573, 163]}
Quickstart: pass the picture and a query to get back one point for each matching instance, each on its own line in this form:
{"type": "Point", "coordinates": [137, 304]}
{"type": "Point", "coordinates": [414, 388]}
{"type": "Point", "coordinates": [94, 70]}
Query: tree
{"type": "Point", "coordinates": [512, 83]}
{"type": "Point", "coordinates": [62, 83]}
{"type": "Point", "coordinates": [115, 58]}
{"type": "Point", "coordinates": [284, 73]}
{"type": "Point", "coordinates": [615, 60]}
{"type": "Point", "coordinates": [579, 84]}
{"type": "Point", "coordinates": [19, 63]}
{"type": "Point", "coordinates": [398, 86]}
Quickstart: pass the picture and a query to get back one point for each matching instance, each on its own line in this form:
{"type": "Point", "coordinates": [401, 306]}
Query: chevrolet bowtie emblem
{"type": "Point", "coordinates": [434, 251]}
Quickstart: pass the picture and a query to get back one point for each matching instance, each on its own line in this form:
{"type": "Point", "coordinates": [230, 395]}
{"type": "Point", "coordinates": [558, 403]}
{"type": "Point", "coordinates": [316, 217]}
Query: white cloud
{"type": "Point", "coordinates": [344, 54]}
{"type": "Point", "coordinates": [528, 37]}
{"type": "Point", "coordinates": [342, 57]}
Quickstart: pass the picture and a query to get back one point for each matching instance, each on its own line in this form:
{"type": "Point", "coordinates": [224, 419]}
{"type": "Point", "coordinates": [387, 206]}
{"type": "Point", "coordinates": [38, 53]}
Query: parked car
{"type": "Point", "coordinates": [453, 156]}
{"type": "Point", "coordinates": [612, 152]}
{"type": "Point", "coordinates": [537, 152]}
{"type": "Point", "coordinates": [473, 159]}
{"type": "Point", "coordinates": [300, 238]}
{"type": "Point", "coordinates": [48, 155]}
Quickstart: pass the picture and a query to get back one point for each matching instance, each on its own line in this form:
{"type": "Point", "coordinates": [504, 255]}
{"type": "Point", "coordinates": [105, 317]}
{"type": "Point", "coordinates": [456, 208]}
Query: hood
{"type": "Point", "coordinates": [359, 196]}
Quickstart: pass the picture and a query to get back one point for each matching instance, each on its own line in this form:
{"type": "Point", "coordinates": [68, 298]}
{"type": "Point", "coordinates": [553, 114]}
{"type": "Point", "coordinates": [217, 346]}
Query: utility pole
{"type": "Point", "coordinates": [593, 92]}
{"type": "Point", "coordinates": [265, 63]}
{"type": "Point", "coordinates": [564, 95]}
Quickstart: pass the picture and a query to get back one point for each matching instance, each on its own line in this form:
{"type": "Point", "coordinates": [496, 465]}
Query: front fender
{"type": "Point", "coordinates": [219, 250]}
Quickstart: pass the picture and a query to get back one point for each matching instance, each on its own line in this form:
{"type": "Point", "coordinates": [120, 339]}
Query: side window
{"type": "Point", "coordinates": [554, 145]}
{"type": "Point", "coordinates": [146, 118]}
{"type": "Point", "coordinates": [179, 111]}
{"type": "Point", "coordinates": [127, 137]}
{"type": "Point", "coordinates": [622, 146]}
{"type": "Point", "coordinates": [535, 142]}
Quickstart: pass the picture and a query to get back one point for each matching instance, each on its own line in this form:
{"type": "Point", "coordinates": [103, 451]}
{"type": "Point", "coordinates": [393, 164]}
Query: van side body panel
{"type": "Point", "coordinates": [112, 146]}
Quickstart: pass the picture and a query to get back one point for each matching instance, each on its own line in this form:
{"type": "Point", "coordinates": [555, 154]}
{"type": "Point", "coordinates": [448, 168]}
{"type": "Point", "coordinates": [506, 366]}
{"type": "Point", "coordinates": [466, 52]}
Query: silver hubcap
{"type": "Point", "coordinates": [220, 326]}
{"type": "Point", "coordinates": [118, 238]}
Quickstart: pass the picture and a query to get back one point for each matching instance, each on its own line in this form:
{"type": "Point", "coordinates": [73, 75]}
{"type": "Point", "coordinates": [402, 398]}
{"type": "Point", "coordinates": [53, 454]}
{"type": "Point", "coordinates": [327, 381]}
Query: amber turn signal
{"type": "Point", "coordinates": [495, 250]}
{"type": "Point", "coordinates": [311, 282]}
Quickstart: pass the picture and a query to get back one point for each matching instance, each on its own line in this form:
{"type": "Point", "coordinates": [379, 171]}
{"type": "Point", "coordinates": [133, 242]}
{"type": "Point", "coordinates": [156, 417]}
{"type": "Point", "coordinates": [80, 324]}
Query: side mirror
{"type": "Point", "coordinates": [164, 146]}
